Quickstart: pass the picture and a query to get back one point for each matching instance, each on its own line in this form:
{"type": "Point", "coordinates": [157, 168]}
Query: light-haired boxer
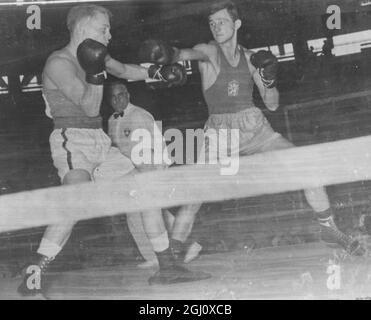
{"type": "Point", "coordinates": [123, 122]}
{"type": "Point", "coordinates": [73, 80]}
{"type": "Point", "coordinates": [228, 75]}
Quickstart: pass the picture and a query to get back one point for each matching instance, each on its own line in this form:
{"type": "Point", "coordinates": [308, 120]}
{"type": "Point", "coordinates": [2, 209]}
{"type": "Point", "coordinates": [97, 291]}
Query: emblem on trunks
{"type": "Point", "coordinates": [233, 88]}
{"type": "Point", "coordinates": [127, 132]}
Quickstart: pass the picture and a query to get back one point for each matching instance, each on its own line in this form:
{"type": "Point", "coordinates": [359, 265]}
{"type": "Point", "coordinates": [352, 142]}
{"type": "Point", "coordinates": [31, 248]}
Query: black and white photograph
{"type": "Point", "coordinates": [185, 150]}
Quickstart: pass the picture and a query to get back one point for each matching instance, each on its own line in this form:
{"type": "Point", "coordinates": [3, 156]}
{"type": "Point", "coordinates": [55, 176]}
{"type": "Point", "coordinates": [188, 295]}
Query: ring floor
{"type": "Point", "coordinates": [305, 271]}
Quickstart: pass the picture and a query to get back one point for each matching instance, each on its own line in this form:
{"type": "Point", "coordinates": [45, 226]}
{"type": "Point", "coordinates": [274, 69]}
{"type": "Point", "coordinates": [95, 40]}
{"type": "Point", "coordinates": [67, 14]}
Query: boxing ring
{"type": "Point", "coordinates": [303, 271]}
{"type": "Point", "coordinates": [306, 271]}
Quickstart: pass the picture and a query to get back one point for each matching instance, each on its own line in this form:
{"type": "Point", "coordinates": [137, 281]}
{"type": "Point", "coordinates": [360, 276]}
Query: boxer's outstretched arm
{"type": "Point", "coordinates": [62, 73]}
{"type": "Point", "coordinates": [200, 52]}
{"type": "Point", "coordinates": [126, 71]}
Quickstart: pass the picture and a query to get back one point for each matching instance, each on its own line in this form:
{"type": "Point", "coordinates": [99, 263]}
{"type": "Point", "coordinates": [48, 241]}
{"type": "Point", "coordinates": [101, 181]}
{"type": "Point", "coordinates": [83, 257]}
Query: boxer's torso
{"type": "Point", "coordinates": [65, 113]}
{"type": "Point", "coordinates": [227, 88]}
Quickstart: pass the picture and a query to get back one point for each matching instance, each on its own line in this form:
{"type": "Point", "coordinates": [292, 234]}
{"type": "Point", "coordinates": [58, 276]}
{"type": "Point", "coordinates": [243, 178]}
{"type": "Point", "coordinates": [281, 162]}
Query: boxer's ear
{"type": "Point", "coordinates": [237, 24]}
{"type": "Point", "coordinates": [80, 29]}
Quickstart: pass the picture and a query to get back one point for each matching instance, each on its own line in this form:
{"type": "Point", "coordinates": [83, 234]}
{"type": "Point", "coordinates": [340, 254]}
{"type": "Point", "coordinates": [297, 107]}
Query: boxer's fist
{"type": "Point", "coordinates": [172, 74]}
{"type": "Point", "coordinates": [91, 55]}
{"type": "Point", "coordinates": [156, 51]}
{"type": "Point", "coordinates": [267, 65]}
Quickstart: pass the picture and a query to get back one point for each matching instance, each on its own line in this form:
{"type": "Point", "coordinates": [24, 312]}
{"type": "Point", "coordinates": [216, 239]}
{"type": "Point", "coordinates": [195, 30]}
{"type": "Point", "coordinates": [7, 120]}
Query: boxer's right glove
{"type": "Point", "coordinates": [172, 74]}
{"type": "Point", "coordinates": [157, 51]}
{"type": "Point", "coordinates": [91, 55]}
{"type": "Point", "coordinates": [267, 65]}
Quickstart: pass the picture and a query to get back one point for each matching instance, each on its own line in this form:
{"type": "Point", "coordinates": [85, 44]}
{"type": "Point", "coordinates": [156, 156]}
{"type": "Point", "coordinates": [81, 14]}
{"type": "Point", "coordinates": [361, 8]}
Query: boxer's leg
{"type": "Point", "coordinates": [170, 272]}
{"type": "Point", "coordinates": [71, 150]}
{"type": "Point", "coordinates": [117, 166]}
{"type": "Point", "coordinates": [169, 219]}
{"type": "Point", "coordinates": [319, 201]}
{"type": "Point", "coordinates": [187, 214]}
{"type": "Point", "coordinates": [187, 249]}
{"type": "Point", "coordinates": [182, 228]}
{"type": "Point", "coordinates": [56, 236]}
{"type": "Point", "coordinates": [184, 221]}
{"type": "Point", "coordinates": [135, 224]}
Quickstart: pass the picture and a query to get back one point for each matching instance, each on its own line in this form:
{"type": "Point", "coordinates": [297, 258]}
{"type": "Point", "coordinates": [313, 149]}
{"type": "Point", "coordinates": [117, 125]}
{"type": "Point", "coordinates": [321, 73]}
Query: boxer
{"type": "Point", "coordinates": [73, 79]}
{"type": "Point", "coordinates": [228, 74]}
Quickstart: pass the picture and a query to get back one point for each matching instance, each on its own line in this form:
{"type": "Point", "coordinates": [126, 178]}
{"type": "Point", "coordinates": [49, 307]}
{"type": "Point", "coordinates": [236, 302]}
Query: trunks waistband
{"type": "Point", "coordinates": [80, 123]}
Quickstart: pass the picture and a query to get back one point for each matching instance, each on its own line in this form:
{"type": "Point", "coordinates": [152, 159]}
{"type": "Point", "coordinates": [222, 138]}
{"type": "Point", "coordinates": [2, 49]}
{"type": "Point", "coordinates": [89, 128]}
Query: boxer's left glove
{"type": "Point", "coordinates": [267, 65]}
{"type": "Point", "coordinates": [91, 55]}
{"type": "Point", "coordinates": [157, 51]}
{"type": "Point", "coordinates": [172, 75]}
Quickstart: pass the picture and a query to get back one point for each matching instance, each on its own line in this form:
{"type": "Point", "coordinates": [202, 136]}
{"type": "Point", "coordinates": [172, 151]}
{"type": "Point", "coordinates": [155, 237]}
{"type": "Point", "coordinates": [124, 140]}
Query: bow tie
{"type": "Point", "coordinates": [118, 114]}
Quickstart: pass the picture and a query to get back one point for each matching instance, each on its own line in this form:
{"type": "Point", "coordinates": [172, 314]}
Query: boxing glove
{"type": "Point", "coordinates": [267, 65]}
{"type": "Point", "coordinates": [91, 55]}
{"type": "Point", "coordinates": [172, 74]}
{"type": "Point", "coordinates": [157, 51]}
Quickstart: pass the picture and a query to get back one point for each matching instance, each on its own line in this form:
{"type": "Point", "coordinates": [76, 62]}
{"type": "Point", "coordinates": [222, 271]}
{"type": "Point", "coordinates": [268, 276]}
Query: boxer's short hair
{"type": "Point", "coordinates": [224, 4]}
{"type": "Point", "coordinates": [77, 13]}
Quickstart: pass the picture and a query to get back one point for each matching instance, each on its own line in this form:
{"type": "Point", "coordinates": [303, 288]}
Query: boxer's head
{"type": "Point", "coordinates": [228, 5]}
{"type": "Point", "coordinates": [89, 21]}
{"type": "Point", "coordinates": [223, 20]}
{"type": "Point", "coordinates": [118, 96]}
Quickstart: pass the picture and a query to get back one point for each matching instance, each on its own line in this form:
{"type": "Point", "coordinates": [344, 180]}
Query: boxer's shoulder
{"type": "Point", "coordinates": [247, 52]}
{"type": "Point", "coordinates": [208, 49]}
{"type": "Point", "coordinates": [59, 60]}
{"type": "Point", "coordinates": [60, 54]}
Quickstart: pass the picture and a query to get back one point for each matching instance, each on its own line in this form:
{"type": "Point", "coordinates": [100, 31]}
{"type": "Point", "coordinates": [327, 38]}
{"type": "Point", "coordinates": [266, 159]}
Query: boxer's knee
{"type": "Point", "coordinates": [317, 199]}
{"type": "Point", "coordinates": [153, 222]}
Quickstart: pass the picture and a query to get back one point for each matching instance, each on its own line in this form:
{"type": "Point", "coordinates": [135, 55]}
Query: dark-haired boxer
{"type": "Point", "coordinates": [228, 75]}
{"type": "Point", "coordinates": [73, 80]}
